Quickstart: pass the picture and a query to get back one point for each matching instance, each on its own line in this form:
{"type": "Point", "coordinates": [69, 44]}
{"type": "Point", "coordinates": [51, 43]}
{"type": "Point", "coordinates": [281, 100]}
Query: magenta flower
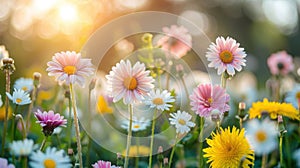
{"type": "Point", "coordinates": [226, 55]}
{"type": "Point", "coordinates": [129, 83]}
{"type": "Point", "coordinates": [280, 63]}
{"type": "Point", "coordinates": [206, 98]}
{"type": "Point", "coordinates": [103, 164]}
{"type": "Point", "coordinates": [69, 67]}
{"type": "Point", "coordinates": [49, 121]}
{"type": "Point", "coordinates": [177, 41]}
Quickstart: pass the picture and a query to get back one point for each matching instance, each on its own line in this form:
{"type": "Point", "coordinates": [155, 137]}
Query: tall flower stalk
{"type": "Point", "coordinates": [129, 135]}
{"type": "Point", "coordinates": [152, 137]}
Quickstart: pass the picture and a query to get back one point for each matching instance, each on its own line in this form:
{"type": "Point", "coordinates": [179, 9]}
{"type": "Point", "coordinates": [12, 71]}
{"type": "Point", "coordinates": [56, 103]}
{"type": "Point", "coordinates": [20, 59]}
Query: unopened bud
{"type": "Point", "coordinates": [7, 61]}
{"type": "Point", "coordinates": [215, 115]}
{"type": "Point", "coordinates": [166, 161]}
{"type": "Point", "coordinates": [119, 160]}
{"type": "Point", "coordinates": [160, 149]}
{"type": "Point", "coordinates": [279, 119]}
{"type": "Point", "coordinates": [36, 79]}
{"type": "Point", "coordinates": [70, 151]}
{"type": "Point", "coordinates": [242, 106]}
{"type": "Point", "coordinates": [160, 156]}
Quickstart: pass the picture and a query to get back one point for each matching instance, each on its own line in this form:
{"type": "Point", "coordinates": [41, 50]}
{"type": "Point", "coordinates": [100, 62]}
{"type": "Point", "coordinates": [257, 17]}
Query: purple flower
{"type": "Point", "coordinates": [103, 164]}
{"type": "Point", "coordinates": [4, 164]}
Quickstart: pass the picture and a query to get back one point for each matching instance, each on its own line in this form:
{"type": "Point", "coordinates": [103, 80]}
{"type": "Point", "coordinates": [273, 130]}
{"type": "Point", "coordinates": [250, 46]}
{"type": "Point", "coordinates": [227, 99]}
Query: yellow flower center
{"type": "Point", "coordinates": [49, 163]}
{"type": "Point", "coordinates": [130, 83]}
{"type": "Point", "coordinates": [298, 95]}
{"type": "Point", "coordinates": [158, 101]}
{"type": "Point", "coordinates": [70, 70]}
{"type": "Point", "coordinates": [226, 56]}
{"type": "Point", "coordinates": [261, 136]}
{"type": "Point", "coordinates": [18, 100]}
{"type": "Point", "coordinates": [136, 126]}
{"type": "Point", "coordinates": [181, 121]}
{"type": "Point", "coordinates": [24, 88]}
{"type": "Point", "coordinates": [210, 100]}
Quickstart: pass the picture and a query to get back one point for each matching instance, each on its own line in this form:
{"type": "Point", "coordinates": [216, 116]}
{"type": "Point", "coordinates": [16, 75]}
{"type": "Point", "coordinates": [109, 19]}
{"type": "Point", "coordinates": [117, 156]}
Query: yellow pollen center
{"type": "Point", "coordinates": [130, 83]}
{"type": "Point", "coordinates": [181, 121]}
{"type": "Point", "coordinates": [18, 100]}
{"type": "Point", "coordinates": [226, 56]}
{"type": "Point", "coordinates": [298, 95]}
{"type": "Point", "coordinates": [24, 88]}
{"type": "Point", "coordinates": [49, 163]}
{"type": "Point", "coordinates": [158, 101]}
{"type": "Point", "coordinates": [70, 70]}
{"type": "Point", "coordinates": [136, 126]}
{"type": "Point", "coordinates": [261, 136]}
{"type": "Point", "coordinates": [210, 100]}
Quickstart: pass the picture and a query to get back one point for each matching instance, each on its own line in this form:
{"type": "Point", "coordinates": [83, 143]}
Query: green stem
{"type": "Point", "coordinates": [172, 153]}
{"type": "Point", "coordinates": [33, 98]}
{"type": "Point", "coordinates": [129, 136]}
{"type": "Point", "coordinates": [201, 163]}
{"type": "Point", "coordinates": [13, 129]}
{"type": "Point", "coordinates": [152, 138]}
{"type": "Point", "coordinates": [185, 89]}
{"type": "Point", "coordinates": [241, 123]}
{"type": "Point", "coordinates": [137, 152]}
{"type": "Point", "coordinates": [224, 80]}
{"type": "Point", "coordinates": [7, 82]}
{"type": "Point", "coordinates": [77, 131]}
{"type": "Point", "coordinates": [89, 129]}
{"type": "Point", "coordinates": [69, 131]}
{"type": "Point", "coordinates": [43, 143]}
{"type": "Point", "coordinates": [25, 162]}
{"type": "Point", "coordinates": [280, 151]}
{"type": "Point", "coordinates": [264, 161]}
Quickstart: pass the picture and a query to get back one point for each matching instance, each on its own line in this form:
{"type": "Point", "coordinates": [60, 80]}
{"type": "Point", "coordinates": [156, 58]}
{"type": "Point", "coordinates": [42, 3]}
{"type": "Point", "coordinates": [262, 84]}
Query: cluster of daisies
{"type": "Point", "coordinates": [131, 84]}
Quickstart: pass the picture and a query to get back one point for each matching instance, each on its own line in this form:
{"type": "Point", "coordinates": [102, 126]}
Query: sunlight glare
{"type": "Point", "coordinates": [67, 12]}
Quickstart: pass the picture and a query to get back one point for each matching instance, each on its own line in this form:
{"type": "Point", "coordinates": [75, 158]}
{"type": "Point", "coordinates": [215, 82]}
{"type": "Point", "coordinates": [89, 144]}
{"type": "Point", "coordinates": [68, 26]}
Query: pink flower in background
{"type": "Point", "coordinates": [280, 63]}
{"type": "Point", "coordinates": [69, 67]}
{"type": "Point", "coordinates": [206, 98]}
{"type": "Point", "coordinates": [103, 164]}
{"type": "Point", "coordinates": [226, 55]}
{"type": "Point", "coordinates": [177, 41]}
{"type": "Point", "coordinates": [129, 83]}
{"type": "Point", "coordinates": [49, 121]}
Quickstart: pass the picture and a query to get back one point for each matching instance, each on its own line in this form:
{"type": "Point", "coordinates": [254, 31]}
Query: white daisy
{"type": "Point", "coordinates": [51, 158]}
{"type": "Point", "coordinates": [262, 136]}
{"type": "Point", "coordinates": [129, 83]}
{"type": "Point", "coordinates": [25, 84]}
{"type": "Point", "coordinates": [159, 100]}
{"type": "Point", "coordinates": [137, 124]}
{"type": "Point", "coordinates": [182, 122]}
{"type": "Point", "coordinates": [22, 147]}
{"type": "Point", "coordinates": [19, 97]}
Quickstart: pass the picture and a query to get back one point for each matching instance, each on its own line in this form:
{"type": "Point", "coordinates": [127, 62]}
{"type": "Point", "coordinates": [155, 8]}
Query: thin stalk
{"type": "Point", "coordinates": [280, 151]}
{"type": "Point", "coordinates": [185, 89]}
{"type": "Point", "coordinates": [89, 128]}
{"type": "Point", "coordinates": [69, 131]}
{"type": "Point", "coordinates": [19, 116]}
{"type": "Point", "coordinates": [201, 163]}
{"type": "Point", "coordinates": [264, 161]}
{"type": "Point", "coordinates": [172, 153]}
{"type": "Point", "coordinates": [58, 140]}
{"type": "Point", "coordinates": [43, 143]}
{"type": "Point", "coordinates": [33, 98]}
{"type": "Point", "coordinates": [13, 128]}
{"type": "Point", "coordinates": [25, 162]}
{"type": "Point", "coordinates": [129, 136]}
{"type": "Point", "coordinates": [137, 152]}
{"type": "Point", "coordinates": [223, 80]}
{"type": "Point", "coordinates": [241, 123]}
{"type": "Point", "coordinates": [152, 138]}
{"type": "Point", "coordinates": [79, 151]}
{"type": "Point", "coordinates": [7, 89]}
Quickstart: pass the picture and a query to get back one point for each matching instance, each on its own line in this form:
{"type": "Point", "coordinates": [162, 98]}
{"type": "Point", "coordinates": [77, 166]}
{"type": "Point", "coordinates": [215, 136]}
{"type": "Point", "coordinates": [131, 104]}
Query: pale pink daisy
{"type": "Point", "coordinates": [206, 98]}
{"type": "Point", "coordinates": [177, 41]}
{"type": "Point", "coordinates": [70, 68]}
{"type": "Point", "coordinates": [49, 121]}
{"type": "Point", "coordinates": [226, 55]}
{"type": "Point", "coordinates": [129, 83]}
{"type": "Point", "coordinates": [280, 63]}
{"type": "Point", "coordinates": [103, 164]}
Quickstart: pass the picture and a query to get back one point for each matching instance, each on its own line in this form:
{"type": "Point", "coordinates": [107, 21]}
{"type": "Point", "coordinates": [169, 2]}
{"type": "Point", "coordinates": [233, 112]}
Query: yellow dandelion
{"type": "Point", "coordinates": [229, 149]}
{"type": "Point", "coordinates": [135, 151]}
{"type": "Point", "coordinates": [273, 109]}
{"type": "Point", "coordinates": [102, 106]}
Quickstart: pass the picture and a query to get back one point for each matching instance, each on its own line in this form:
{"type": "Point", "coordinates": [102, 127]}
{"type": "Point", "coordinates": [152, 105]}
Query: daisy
{"type": "Point", "coordinates": [280, 63]}
{"type": "Point", "coordinates": [129, 83]}
{"type": "Point", "coordinates": [22, 147]}
{"type": "Point", "coordinates": [159, 100]}
{"type": "Point", "coordinates": [19, 97]}
{"type": "Point", "coordinates": [103, 164]}
{"type": "Point", "coordinates": [226, 55]}
{"type": "Point", "coordinates": [206, 98]}
{"type": "Point", "coordinates": [70, 68]}
{"type": "Point", "coordinates": [4, 163]}
{"type": "Point", "coordinates": [51, 158]}
{"type": "Point", "coordinates": [177, 41]}
{"type": "Point", "coordinates": [137, 124]}
{"type": "Point", "coordinates": [182, 122]}
{"type": "Point", "coordinates": [262, 136]}
{"type": "Point", "coordinates": [49, 121]}
{"type": "Point", "coordinates": [293, 97]}
{"type": "Point", "coordinates": [228, 148]}
{"type": "Point", "coordinates": [25, 84]}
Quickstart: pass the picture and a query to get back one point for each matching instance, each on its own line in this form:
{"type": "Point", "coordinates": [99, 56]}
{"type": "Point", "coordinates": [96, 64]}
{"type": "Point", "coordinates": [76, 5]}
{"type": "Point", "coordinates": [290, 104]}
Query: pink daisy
{"type": "Point", "coordinates": [49, 121]}
{"type": "Point", "coordinates": [206, 98]}
{"type": "Point", "coordinates": [177, 41]}
{"type": "Point", "coordinates": [69, 67]}
{"type": "Point", "coordinates": [226, 55]}
{"type": "Point", "coordinates": [103, 164]}
{"type": "Point", "coordinates": [280, 63]}
{"type": "Point", "coordinates": [129, 83]}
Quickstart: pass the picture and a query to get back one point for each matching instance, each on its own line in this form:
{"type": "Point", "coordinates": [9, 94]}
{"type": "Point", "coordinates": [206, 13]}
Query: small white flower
{"type": "Point", "coordinates": [182, 122]}
{"type": "Point", "coordinates": [19, 97]}
{"type": "Point", "coordinates": [262, 136]}
{"type": "Point", "coordinates": [25, 84]}
{"type": "Point", "coordinates": [51, 158]}
{"type": "Point", "coordinates": [159, 100]}
{"type": "Point", "coordinates": [137, 124]}
{"type": "Point", "coordinates": [22, 147]}
{"type": "Point", "coordinates": [296, 156]}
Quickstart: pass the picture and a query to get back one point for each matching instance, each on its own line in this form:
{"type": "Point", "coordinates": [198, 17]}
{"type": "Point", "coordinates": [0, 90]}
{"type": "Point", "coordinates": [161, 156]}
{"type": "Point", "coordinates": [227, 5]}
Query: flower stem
{"type": "Point", "coordinates": [185, 89]}
{"type": "Point", "coordinates": [129, 136]}
{"type": "Point", "coordinates": [33, 98]}
{"type": "Point", "coordinates": [172, 153]}
{"type": "Point", "coordinates": [200, 157]}
{"type": "Point", "coordinates": [69, 131]}
{"type": "Point", "coordinates": [264, 161]}
{"type": "Point", "coordinates": [43, 143]}
{"type": "Point", "coordinates": [280, 151]}
{"type": "Point", "coordinates": [13, 128]}
{"type": "Point", "coordinates": [7, 82]}
{"type": "Point", "coordinates": [76, 126]}
{"type": "Point", "coordinates": [224, 78]}
{"type": "Point", "coordinates": [19, 117]}
{"type": "Point", "coordinates": [152, 138]}
{"type": "Point", "coordinates": [25, 162]}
